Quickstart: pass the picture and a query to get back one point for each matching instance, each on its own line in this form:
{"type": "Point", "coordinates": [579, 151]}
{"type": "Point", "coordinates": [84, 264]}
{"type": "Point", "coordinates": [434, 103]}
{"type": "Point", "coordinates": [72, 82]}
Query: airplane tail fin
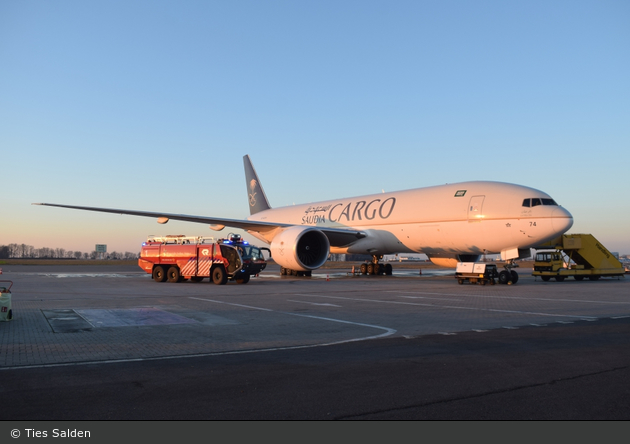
{"type": "Point", "coordinates": [256, 195]}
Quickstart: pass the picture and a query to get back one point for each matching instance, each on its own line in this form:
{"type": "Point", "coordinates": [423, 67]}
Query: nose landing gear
{"type": "Point", "coordinates": [508, 276]}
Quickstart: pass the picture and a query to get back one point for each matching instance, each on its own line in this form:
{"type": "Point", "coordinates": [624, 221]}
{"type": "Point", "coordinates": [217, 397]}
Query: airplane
{"type": "Point", "coordinates": [449, 223]}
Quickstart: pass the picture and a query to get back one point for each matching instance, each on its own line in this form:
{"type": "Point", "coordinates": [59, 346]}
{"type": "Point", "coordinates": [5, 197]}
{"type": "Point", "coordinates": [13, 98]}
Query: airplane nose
{"type": "Point", "coordinates": [561, 220]}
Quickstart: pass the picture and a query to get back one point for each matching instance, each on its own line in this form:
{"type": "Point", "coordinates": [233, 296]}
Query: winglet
{"type": "Point", "coordinates": [255, 193]}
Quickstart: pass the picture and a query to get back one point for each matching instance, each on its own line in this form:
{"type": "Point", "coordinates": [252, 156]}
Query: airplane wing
{"type": "Point", "coordinates": [336, 236]}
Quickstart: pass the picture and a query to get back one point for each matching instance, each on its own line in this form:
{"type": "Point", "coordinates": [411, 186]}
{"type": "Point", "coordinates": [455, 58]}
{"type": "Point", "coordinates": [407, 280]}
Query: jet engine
{"type": "Point", "coordinates": [451, 260]}
{"type": "Point", "coordinates": [300, 248]}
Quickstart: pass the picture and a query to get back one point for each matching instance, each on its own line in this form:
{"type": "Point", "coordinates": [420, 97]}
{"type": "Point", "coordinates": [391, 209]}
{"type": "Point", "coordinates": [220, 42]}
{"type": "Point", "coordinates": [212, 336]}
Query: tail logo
{"type": "Point", "coordinates": [252, 195]}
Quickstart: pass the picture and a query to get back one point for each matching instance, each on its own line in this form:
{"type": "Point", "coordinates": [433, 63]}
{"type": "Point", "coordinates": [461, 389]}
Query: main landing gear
{"type": "Point", "coordinates": [375, 268]}
{"type": "Point", "coordinates": [508, 276]}
{"type": "Point", "coordinates": [289, 272]}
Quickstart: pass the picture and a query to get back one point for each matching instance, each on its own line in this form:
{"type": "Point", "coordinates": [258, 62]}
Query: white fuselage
{"type": "Point", "coordinates": [461, 218]}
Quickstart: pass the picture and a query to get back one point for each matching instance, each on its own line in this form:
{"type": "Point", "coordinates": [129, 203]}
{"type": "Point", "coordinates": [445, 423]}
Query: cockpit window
{"type": "Point", "coordinates": [549, 202]}
{"type": "Point", "coordinates": [533, 202]}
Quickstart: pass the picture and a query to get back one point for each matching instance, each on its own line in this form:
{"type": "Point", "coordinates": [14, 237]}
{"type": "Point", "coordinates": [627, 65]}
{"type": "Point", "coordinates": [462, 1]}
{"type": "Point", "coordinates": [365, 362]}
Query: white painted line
{"type": "Point", "coordinates": [453, 307]}
{"type": "Point", "coordinates": [466, 295]}
{"type": "Point", "coordinates": [479, 331]}
{"type": "Point", "coordinates": [424, 297]}
{"type": "Point", "coordinates": [314, 303]}
{"type": "Point", "coordinates": [388, 331]}
{"type": "Point", "coordinates": [510, 328]}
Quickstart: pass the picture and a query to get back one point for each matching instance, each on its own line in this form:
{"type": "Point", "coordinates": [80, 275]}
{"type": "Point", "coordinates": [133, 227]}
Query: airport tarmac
{"type": "Point", "coordinates": [109, 343]}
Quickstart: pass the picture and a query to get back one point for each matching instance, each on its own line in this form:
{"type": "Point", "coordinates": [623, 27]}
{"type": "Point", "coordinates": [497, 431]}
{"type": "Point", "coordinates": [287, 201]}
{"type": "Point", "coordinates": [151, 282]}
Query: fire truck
{"type": "Point", "coordinates": [177, 258]}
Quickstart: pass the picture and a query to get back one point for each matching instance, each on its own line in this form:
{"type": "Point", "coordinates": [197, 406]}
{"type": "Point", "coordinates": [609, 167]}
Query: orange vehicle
{"type": "Point", "coordinates": [177, 258]}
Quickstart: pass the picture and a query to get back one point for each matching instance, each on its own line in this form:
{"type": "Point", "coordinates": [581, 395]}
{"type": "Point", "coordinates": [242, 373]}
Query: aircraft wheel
{"type": "Point", "coordinates": [363, 268]}
{"type": "Point", "coordinates": [377, 269]}
{"type": "Point", "coordinates": [294, 273]}
{"type": "Point", "coordinates": [504, 277]}
{"type": "Point", "coordinates": [514, 275]}
{"type": "Point", "coordinates": [370, 269]}
{"type": "Point", "coordinates": [159, 275]}
{"type": "Point", "coordinates": [492, 281]}
{"type": "Point", "coordinates": [173, 274]}
{"type": "Point", "coordinates": [219, 276]}
{"type": "Point", "coordinates": [388, 269]}
{"type": "Point", "coordinates": [283, 271]}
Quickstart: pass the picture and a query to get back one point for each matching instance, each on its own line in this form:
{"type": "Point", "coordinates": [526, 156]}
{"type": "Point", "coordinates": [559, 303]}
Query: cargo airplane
{"type": "Point", "coordinates": [449, 223]}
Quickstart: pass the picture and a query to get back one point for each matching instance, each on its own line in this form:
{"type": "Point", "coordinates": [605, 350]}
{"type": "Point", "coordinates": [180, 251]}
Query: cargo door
{"type": "Point", "coordinates": [475, 208]}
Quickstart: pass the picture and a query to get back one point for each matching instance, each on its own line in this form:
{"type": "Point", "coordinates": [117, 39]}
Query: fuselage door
{"type": "Point", "coordinates": [475, 208]}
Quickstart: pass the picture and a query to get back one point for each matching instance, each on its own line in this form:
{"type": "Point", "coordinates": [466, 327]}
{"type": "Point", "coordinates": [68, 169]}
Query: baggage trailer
{"type": "Point", "coordinates": [6, 312]}
{"type": "Point", "coordinates": [476, 273]}
{"type": "Point", "coordinates": [578, 255]}
{"type": "Point", "coordinates": [177, 258]}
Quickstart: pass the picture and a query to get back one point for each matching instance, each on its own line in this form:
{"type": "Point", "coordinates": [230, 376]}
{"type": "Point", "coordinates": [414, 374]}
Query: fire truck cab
{"type": "Point", "coordinates": [177, 258]}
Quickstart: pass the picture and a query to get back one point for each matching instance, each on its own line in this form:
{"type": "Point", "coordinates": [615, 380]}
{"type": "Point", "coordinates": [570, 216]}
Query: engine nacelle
{"type": "Point", "coordinates": [300, 248]}
{"type": "Point", "coordinates": [451, 260]}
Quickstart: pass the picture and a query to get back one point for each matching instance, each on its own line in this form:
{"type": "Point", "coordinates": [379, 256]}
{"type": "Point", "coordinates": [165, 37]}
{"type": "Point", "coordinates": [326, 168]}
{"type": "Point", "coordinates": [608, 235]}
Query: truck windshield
{"type": "Point", "coordinates": [252, 253]}
{"type": "Point", "coordinates": [547, 257]}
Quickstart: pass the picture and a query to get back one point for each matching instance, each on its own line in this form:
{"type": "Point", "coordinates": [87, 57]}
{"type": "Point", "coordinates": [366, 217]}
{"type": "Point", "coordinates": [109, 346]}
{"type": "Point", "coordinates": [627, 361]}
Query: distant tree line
{"type": "Point", "coordinates": [23, 251]}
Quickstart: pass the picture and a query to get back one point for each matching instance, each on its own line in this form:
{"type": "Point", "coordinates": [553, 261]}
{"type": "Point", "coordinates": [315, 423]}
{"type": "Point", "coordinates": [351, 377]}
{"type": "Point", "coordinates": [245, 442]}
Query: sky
{"type": "Point", "coordinates": [152, 105]}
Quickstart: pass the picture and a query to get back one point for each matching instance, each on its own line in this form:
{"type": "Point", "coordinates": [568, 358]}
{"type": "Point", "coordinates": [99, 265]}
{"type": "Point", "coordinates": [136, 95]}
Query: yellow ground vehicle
{"type": "Point", "coordinates": [578, 255]}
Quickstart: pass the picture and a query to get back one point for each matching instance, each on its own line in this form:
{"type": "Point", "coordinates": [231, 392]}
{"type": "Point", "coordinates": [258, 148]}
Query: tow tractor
{"type": "Point", "coordinates": [177, 258]}
{"type": "Point", "coordinates": [476, 273]}
{"type": "Point", "coordinates": [578, 255]}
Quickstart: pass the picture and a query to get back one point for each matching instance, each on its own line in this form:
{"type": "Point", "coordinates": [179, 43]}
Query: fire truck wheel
{"type": "Point", "coordinates": [159, 275]}
{"type": "Point", "coordinates": [242, 279]}
{"type": "Point", "coordinates": [545, 278]}
{"type": "Point", "coordinates": [219, 276]}
{"type": "Point", "coordinates": [173, 274]}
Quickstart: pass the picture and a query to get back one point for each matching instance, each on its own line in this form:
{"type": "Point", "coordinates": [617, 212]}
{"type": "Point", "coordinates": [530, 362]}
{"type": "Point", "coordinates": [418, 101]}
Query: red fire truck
{"type": "Point", "coordinates": [177, 258]}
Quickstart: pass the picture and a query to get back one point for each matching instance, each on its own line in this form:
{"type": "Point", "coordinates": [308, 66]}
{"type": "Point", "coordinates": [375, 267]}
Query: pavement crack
{"type": "Point", "coordinates": [479, 395]}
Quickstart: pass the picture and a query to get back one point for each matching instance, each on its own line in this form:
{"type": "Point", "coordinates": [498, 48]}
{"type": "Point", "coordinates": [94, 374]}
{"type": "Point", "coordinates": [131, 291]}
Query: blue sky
{"type": "Point", "coordinates": [152, 104]}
